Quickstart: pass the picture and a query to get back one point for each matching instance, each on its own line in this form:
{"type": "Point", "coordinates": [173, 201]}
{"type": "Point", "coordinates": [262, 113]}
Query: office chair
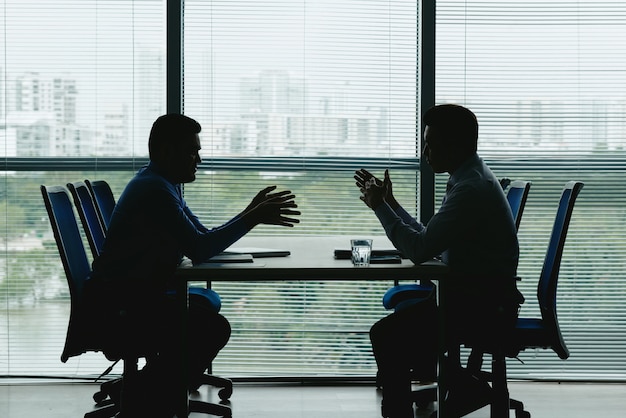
{"type": "Point", "coordinates": [103, 197]}
{"type": "Point", "coordinates": [403, 295]}
{"type": "Point", "coordinates": [79, 338]}
{"type": "Point", "coordinates": [543, 332]}
{"type": "Point", "coordinates": [504, 182]}
{"type": "Point", "coordinates": [102, 200]}
{"type": "Point", "coordinates": [89, 216]}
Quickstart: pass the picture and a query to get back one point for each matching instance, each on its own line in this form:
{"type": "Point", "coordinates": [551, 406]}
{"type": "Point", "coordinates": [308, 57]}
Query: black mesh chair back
{"type": "Point", "coordinates": [548, 280]}
{"type": "Point", "coordinates": [88, 214]}
{"type": "Point", "coordinates": [104, 199]}
{"type": "Point", "coordinates": [543, 332]}
{"type": "Point", "coordinates": [516, 195]}
{"type": "Point", "coordinates": [74, 258]}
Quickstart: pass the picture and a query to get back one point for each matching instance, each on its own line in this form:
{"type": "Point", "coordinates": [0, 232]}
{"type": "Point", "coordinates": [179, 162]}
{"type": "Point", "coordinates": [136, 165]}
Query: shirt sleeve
{"type": "Point", "coordinates": [197, 242]}
{"type": "Point", "coordinates": [408, 219]}
{"type": "Point", "coordinates": [421, 243]}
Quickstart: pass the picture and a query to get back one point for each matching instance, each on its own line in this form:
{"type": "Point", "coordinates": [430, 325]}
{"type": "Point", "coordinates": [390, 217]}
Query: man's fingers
{"type": "Point", "coordinates": [280, 194]}
{"type": "Point", "coordinates": [265, 191]}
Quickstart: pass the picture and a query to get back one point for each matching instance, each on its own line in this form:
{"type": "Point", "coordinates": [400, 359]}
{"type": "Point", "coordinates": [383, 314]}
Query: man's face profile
{"type": "Point", "coordinates": [433, 150]}
{"type": "Point", "coordinates": [184, 159]}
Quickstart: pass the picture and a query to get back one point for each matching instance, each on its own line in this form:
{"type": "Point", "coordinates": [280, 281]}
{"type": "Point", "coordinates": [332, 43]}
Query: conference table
{"type": "Point", "coordinates": [311, 258]}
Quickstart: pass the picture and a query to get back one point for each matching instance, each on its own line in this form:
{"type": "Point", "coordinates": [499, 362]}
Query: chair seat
{"type": "Point", "coordinates": [528, 333]}
{"type": "Point", "coordinates": [403, 295]}
{"type": "Point", "coordinates": [210, 295]}
{"type": "Point", "coordinates": [532, 332]}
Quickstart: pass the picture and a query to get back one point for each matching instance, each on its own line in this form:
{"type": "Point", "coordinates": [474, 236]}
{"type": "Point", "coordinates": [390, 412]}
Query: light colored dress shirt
{"type": "Point", "coordinates": [473, 231]}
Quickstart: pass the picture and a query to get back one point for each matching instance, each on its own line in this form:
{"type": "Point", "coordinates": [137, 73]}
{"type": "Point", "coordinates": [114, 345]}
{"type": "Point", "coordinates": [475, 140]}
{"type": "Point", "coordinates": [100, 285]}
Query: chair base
{"type": "Point", "coordinates": [515, 406]}
{"type": "Point", "coordinates": [498, 399]}
{"type": "Point", "coordinates": [219, 382]}
{"type": "Point", "coordinates": [111, 410]}
{"type": "Point", "coordinates": [210, 408]}
{"type": "Point", "coordinates": [106, 411]}
{"type": "Point", "coordinates": [518, 407]}
{"type": "Point", "coordinates": [108, 398]}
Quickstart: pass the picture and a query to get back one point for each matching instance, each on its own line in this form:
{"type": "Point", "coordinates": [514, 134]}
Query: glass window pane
{"type": "Point", "coordinates": [547, 82]}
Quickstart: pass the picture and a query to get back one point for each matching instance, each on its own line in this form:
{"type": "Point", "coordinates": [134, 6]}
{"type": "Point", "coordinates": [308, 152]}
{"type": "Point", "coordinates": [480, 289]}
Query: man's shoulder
{"type": "Point", "coordinates": [147, 186]}
{"type": "Point", "coordinates": [475, 177]}
{"type": "Point", "coordinates": [150, 180]}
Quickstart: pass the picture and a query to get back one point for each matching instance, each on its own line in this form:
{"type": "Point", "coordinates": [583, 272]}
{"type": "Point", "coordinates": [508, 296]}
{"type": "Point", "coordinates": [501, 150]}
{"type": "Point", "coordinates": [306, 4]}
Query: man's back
{"type": "Point", "coordinates": [481, 236]}
{"type": "Point", "coordinates": [140, 246]}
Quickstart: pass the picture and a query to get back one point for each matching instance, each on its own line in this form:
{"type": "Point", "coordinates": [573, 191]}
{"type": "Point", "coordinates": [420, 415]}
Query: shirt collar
{"type": "Point", "coordinates": [153, 166]}
{"type": "Point", "coordinates": [460, 172]}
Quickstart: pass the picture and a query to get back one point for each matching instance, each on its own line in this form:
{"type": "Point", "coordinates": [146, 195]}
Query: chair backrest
{"type": "Point", "coordinates": [105, 201]}
{"type": "Point", "coordinates": [73, 256]}
{"type": "Point", "coordinates": [88, 213]}
{"type": "Point", "coordinates": [517, 194]}
{"type": "Point", "coordinates": [548, 280]}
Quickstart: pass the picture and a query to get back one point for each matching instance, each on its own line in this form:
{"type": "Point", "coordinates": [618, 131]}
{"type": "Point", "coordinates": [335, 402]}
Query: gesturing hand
{"type": "Point", "coordinates": [260, 197]}
{"type": "Point", "coordinates": [272, 208]}
{"type": "Point", "coordinates": [364, 178]}
{"type": "Point", "coordinates": [374, 190]}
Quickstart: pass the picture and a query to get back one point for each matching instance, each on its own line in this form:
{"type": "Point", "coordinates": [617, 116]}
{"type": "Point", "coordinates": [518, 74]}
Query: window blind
{"type": "Point", "coordinates": [81, 83]}
{"type": "Point", "coordinates": [336, 93]}
{"type": "Point", "coordinates": [546, 80]}
{"type": "Point", "coordinates": [299, 95]}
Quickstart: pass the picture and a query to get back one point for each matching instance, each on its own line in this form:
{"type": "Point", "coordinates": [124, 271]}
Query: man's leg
{"type": "Point", "coordinates": [208, 334]}
{"type": "Point", "coordinates": [404, 344]}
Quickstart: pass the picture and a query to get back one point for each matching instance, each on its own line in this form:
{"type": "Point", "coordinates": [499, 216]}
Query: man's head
{"type": "Point", "coordinates": [174, 145]}
{"type": "Point", "coordinates": [450, 136]}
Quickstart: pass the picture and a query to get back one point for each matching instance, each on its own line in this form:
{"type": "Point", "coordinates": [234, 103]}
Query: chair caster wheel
{"type": "Point", "coordinates": [225, 393]}
{"type": "Point", "coordinates": [522, 414]}
{"type": "Point", "coordinates": [98, 397]}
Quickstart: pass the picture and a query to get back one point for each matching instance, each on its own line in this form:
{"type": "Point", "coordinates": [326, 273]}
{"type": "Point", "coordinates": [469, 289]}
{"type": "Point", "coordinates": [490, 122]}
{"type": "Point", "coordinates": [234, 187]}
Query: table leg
{"type": "Point", "coordinates": [442, 363]}
{"type": "Point", "coordinates": [182, 395]}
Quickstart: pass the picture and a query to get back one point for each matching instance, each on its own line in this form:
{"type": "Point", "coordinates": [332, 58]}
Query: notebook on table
{"type": "Point", "coordinates": [258, 252]}
{"type": "Point", "coordinates": [230, 258]}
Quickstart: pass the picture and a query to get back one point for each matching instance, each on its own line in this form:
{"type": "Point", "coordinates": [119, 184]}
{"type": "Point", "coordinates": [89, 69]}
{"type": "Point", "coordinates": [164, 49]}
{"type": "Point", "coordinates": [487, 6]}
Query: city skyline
{"type": "Point", "coordinates": [274, 119]}
{"type": "Point", "coordinates": [533, 82]}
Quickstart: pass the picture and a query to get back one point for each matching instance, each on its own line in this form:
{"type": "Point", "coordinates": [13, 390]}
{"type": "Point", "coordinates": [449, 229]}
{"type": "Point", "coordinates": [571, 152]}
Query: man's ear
{"type": "Point", "coordinates": [162, 154]}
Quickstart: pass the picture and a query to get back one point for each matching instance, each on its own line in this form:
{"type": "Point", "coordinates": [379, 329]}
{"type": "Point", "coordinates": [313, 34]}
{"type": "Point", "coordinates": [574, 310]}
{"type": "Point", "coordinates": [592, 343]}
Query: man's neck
{"type": "Point", "coordinates": [455, 164]}
{"type": "Point", "coordinates": [161, 169]}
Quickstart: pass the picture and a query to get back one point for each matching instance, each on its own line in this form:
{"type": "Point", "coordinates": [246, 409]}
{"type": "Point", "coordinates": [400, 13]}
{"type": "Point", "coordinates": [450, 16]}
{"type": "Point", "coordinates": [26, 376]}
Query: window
{"type": "Point", "coordinates": [81, 83]}
{"type": "Point", "coordinates": [290, 93]}
{"type": "Point", "coordinates": [546, 80]}
{"type": "Point", "coordinates": [300, 94]}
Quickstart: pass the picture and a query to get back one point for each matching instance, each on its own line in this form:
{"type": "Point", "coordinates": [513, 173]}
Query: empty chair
{"type": "Point", "coordinates": [516, 195]}
{"type": "Point", "coordinates": [104, 199]}
{"type": "Point", "coordinates": [89, 216]}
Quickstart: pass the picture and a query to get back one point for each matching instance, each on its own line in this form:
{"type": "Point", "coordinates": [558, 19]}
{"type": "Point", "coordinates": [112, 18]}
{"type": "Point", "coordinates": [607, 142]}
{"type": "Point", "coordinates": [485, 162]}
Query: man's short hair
{"type": "Point", "coordinates": [456, 124]}
{"type": "Point", "coordinates": [168, 130]}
